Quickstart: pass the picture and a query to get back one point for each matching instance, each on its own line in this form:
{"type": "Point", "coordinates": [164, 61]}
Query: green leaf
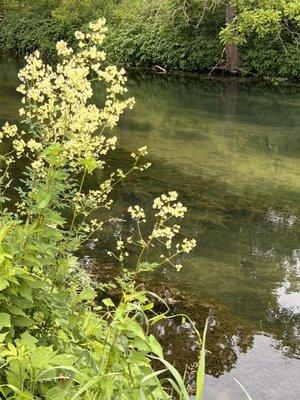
{"type": "Point", "coordinates": [55, 218]}
{"type": "Point", "coordinates": [51, 233]}
{"type": "Point", "coordinates": [152, 375]}
{"type": "Point", "coordinates": [32, 261]}
{"type": "Point", "coordinates": [140, 345]}
{"type": "Point", "coordinates": [108, 303]}
{"type": "Point", "coordinates": [148, 306]}
{"type": "Point", "coordinates": [22, 302]}
{"type": "Point", "coordinates": [155, 346]}
{"type": "Point", "coordinates": [179, 385]}
{"type": "Point", "coordinates": [133, 329]}
{"type": "Point", "coordinates": [87, 294]}
{"type": "Point", "coordinates": [3, 283]}
{"type": "Point", "coordinates": [60, 175]}
{"type": "Point", "coordinates": [25, 291]}
{"type": "Point", "coordinates": [53, 150]}
{"type": "Point", "coordinates": [22, 321]}
{"type": "Point", "coordinates": [21, 395]}
{"type": "Point", "coordinates": [157, 318]}
{"type": "Point", "coordinates": [3, 336]}
{"type": "Point", "coordinates": [13, 279]}
{"type": "Point", "coordinates": [4, 321]}
{"type": "Point", "coordinates": [44, 201]}
{"type": "Point", "coordinates": [16, 310]}
{"type": "Point", "coordinates": [137, 357]}
{"type": "Point", "coordinates": [90, 164]}
{"type": "Point", "coordinates": [201, 366]}
{"type": "Point", "coordinates": [147, 266]}
{"type": "Point", "coordinates": [27, 340]}
{"type": "Point", "coordinates": [92, 382]}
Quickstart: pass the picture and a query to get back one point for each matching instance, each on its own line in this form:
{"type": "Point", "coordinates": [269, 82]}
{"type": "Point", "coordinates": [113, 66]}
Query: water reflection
{"type": "Point", "coordinates": [232, 134]}
{"type": "Point", "coordinates": [264, 373]}
{"type": "Point", "coordinates": [231, 152]}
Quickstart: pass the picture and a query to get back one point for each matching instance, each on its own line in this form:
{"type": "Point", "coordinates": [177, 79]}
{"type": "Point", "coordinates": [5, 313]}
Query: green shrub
{"type": "Point", "coordinates": [148, 33]}
{"type": "Point", "coordinates": [273, 60]}
{"type": "Point", "coordinates": [23, 34]}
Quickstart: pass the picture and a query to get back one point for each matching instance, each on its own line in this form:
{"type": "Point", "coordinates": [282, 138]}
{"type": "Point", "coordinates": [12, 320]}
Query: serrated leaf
{"type": "Point", "coordinates": [25, 291]}
{"type": "Point", "coordinates": [16, 310]}
{"type": "Point", "coordinates": [55, 218]}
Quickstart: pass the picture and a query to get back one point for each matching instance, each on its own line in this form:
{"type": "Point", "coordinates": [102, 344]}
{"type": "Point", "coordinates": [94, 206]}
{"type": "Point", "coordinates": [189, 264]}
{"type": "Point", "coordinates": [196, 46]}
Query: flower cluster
{"type": "Point", "coordinates": [8, 130]}
{"type": "Point", "coordinates": [19, 146]}
{"type": "Point", "coordinates": [64, 138]}
{"type": "Point", "coordinates": [122, 254]}
{"type": "Point", "coordinates": [57, 101]}
{"type": "Point", "coordinates": [86, 203]}
{"type": "Point", "coordinates": [92, 226]}
{"type": "Point", "coordinates": [167, 208]}
{"type": "Point", "coordinates": [163, 233]}
{"type": "Point", "coordinates": [137, 213]}
{"type": "Point", "coordinates": [65, 142]}
{"type": "Point", "coordinates": [186, 246]}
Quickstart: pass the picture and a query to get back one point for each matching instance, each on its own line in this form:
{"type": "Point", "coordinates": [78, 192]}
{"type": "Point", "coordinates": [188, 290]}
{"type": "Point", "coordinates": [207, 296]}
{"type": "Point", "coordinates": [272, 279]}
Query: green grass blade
{"type": "Point", "coordinates": [178, 379]}
{"type": "Point", "coordinates": [152, 375]}
{"type": "Point", "coordinates": [244, 390]}
{"type": "Point", "coordinates": [201, 366]}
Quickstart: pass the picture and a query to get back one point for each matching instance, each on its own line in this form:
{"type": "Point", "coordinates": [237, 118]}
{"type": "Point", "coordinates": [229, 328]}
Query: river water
{"type": "Point", "coordinates": [231, 150]}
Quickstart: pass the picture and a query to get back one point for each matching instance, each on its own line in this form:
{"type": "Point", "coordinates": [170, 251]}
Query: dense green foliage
{"type": "Point", "coordinates": [175, 34]}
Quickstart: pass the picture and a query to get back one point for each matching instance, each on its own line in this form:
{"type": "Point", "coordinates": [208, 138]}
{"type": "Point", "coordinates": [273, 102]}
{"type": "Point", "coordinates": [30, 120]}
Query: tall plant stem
{"type": "Point", "coordinates": [80, 189]}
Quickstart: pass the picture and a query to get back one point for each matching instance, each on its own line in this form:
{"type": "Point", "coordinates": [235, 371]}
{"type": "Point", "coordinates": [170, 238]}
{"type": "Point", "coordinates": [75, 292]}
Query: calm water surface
{"type": "Point", "coordinates": [232, 152]}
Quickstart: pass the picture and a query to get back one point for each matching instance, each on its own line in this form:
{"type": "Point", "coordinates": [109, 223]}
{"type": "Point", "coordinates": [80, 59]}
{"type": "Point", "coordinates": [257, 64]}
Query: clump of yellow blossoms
{"type": "Point", "coordinates": [65, 130]}
{"type": "Point", "coordinates": [58, 101]}
{"type": "Point", "coordinates": [162, 234]}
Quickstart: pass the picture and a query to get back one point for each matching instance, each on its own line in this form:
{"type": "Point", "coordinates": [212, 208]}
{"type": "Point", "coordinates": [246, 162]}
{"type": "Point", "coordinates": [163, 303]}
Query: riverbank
{"type": "Point", "coordinates": [219, 74]}
{"type": "Point", "coordinates": [141, 40]}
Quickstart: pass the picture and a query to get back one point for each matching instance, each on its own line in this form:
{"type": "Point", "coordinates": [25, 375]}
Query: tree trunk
{"type": "Point", "coordinates": [232, 53]}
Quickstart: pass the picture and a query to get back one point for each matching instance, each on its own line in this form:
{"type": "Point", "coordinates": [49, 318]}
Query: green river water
{"type": "Point", "coordinates": [231, 149]}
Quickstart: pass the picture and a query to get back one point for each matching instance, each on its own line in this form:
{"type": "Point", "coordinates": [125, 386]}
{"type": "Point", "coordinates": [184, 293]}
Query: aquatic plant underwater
{"type": "Point", "coordinates": [58, 340]}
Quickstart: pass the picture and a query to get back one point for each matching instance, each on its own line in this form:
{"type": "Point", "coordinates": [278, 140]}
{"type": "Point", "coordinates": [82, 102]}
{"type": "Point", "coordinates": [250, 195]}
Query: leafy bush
{"type": "Point", "coordinates": [23, 34]}
{"type": "Point", "coordinates": [271, 60]}
{"type": "Point", "coordinates": [167, 33]}
{"type": "Point", "coordinates": [57, 340]}
{"type": "Point", "coordinates": [145, 45]}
